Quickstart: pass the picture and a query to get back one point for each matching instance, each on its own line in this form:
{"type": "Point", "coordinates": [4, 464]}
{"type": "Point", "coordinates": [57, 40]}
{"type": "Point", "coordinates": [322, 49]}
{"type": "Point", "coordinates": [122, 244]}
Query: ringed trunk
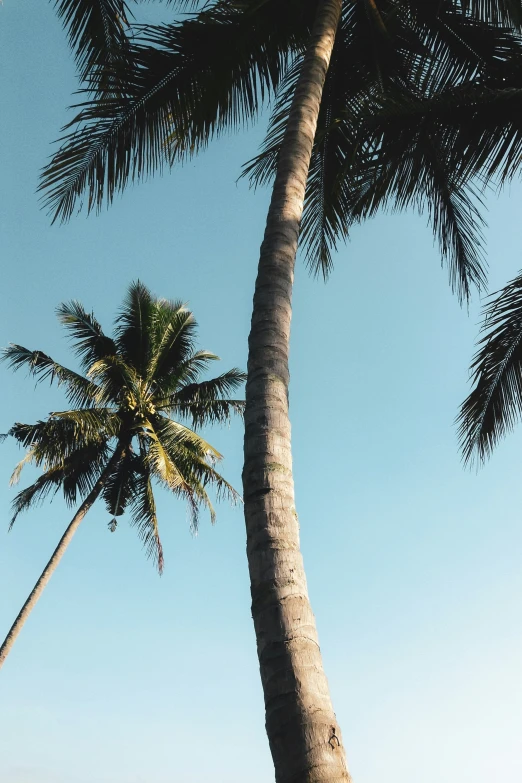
{"type": "Point", "coordinates": [305, 739]}
{"type": "Point", "coordinates": [57, 555]}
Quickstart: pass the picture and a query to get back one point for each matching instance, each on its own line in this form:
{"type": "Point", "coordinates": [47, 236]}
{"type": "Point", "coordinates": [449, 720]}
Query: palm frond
{"type": "Point", "coordinates": [17, 472]}
{"type": "Point", "coordinates": [78, 390]}
{"type": "Point", "coordinates": [504, 12]}
{"type": "Point", "coordinates": [143, 511]}
{"type": "Point", "coordinates": [174, 435]}
{"type": "Point", "coordinates": [207, 402]}
{"type": "Point", "coordinates": [118, 382]}
{"type": "Point", "coordinates": [174, 332]}
{"type": "Point", "coordinates": [488, 138]}
{"type": "Point", "coordinates": [360, 162]}
{"type": "Point", "coordinates": [133, 322]}
{"type": "Point", "coordinates": [118, 490]}
{"type": "Point", "coordinates": [495, 404]}
{"type": "Point", "coordinates": [191, 5]}
{"type": "Point", "coordinates": [76, 475]}
{"type": "Point", "coordinates": [83, 468]}
{"type": "Point", "coordinates": [161, 465]}
{"type": "Point", "coordinates": [90, 423]}
{"type": "Point", "coordinates": [193, 456]}
{"type": "Point", "coordinates": [90, 343]}
{"type": "Point", "coordinates": [96, 32]}
{"type": "Point", "coordinates": [62, 433]}
{"type": "Point", "coordinates": [182, 85]}
{"type": "Point", "coordinates": [186, 372]}
{"type": "Point", "coordinates": [37, 492]}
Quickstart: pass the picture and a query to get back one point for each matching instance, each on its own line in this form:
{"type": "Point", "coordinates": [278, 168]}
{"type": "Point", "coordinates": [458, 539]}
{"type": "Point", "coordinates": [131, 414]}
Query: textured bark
{"type": "Point", "coordinates": [304, 736]}
{"type": "Point", "coordinates": [57, 555]}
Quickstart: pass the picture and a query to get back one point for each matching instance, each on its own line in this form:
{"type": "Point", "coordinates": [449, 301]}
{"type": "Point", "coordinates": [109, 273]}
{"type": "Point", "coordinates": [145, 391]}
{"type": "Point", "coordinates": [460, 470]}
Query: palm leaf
{"type": "Point", "coordinates": [174, 330]}
{"type": "Point", "coordinates": [118, 381]}
{"type": "Point", "coordinates": [37, 492]}
{"type": "Point", "coordinates": [119, 490]}
{"type": "Point", "coordinates": [186, 372]}
{"type": "Point", "coordinates": [207, 402]}
{"type": "Point", "coordinates": [161, 465]}
{"type": "Point", "coordinates": [75, 474]}
{"type": "Point", "coordinates": [90, 343]}
{"type": "Point", "coordinates": [78, 390]}
{"type": "Point", "coordinates": [193, 457]}
{"type": "Point", "coordinates": [173, 435]}
{"type": "Point", "coordinates": [359, 163]}
{"type": "Point", "coordinates": [133, 327]}
{"type": "Point", "coordinates": [411, 169]}
{"type": "Point", "coordinates": [495, 404]}
{"type": "Point", "coordinates": [63, 433]}
{"type": "Point", "coordinates": [91, 423]}
{"type": "Point", "coordinates": [143, 510]}
{"type": "Point", "coordinates": [505, 12]}
{"type": "Point", "coordinates": [96, 32]}
{"type": "Point", "coordinates": [183, 84]}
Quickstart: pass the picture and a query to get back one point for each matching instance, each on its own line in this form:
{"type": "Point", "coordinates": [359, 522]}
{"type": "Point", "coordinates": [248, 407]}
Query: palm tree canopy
{"type": "Point", "coordinates": [141, 393]}
{"type": "Point", "coordinates": [495, 403]}
{"type": "Point", "coordinates": [184, 83]}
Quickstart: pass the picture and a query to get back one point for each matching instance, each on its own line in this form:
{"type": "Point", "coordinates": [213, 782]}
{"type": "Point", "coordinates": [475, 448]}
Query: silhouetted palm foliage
{"type": "Point", "coordinates": [141, 396]}
{"type": "Point", "coordinates": [186, 82]}
{"type": "Point", "coordinates": [495, 404]}
{"type": "Point", "coordinates": [97, 34]}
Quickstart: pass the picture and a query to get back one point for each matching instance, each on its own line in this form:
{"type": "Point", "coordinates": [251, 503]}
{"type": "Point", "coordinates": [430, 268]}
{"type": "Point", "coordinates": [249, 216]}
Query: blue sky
{"type": "Point", "coordinates": [413, 563]}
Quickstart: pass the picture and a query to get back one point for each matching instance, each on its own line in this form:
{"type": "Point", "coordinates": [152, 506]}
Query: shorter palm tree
{"type": "Point", "coordinates": [495, 403]}
{"type": "Point", "coordinates": [132, 421]}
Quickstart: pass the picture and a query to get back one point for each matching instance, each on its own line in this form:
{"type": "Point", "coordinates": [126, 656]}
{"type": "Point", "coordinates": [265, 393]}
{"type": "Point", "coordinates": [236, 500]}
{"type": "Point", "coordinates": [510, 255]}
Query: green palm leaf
{"type": "Point", "coordinates": [78, 390]}
{"type": "Point", "coordinates": [90, 343]}
{"type": "Point", "coordinates": [144, 518]}
{"type": "Point", "coordinates": [75, 475]}
{"type": "Point", "coordinates": [174, 330]}
{"type": "Point", "coordinates": [59, 436]}
{"type": "Point", "coordinates": [207, 402]}
{"type": "Point", "coordinates": [119, 490]}
{"type": "Point", "coordinates": [133, 327]}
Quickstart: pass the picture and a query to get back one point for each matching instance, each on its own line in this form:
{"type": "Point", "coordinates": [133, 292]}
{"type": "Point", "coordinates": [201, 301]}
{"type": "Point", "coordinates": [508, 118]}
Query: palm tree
{"type": "Point", "coordinates": [323, 61]}
{"type": "Point", "coordinates": [132, 421]}
{"type": "Point", "coordinates": [494, 405]}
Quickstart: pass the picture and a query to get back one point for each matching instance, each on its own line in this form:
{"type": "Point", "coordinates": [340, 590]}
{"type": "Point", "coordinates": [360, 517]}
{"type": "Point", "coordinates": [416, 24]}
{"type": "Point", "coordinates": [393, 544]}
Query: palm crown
{"type": "Point", "coordinates": [133, 414]}
{"type": "Point", "coordinates": [180, 84]}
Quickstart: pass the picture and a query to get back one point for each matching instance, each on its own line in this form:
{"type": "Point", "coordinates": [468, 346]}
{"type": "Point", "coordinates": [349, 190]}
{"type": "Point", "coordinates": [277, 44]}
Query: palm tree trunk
{"type": "Point", "coordinates": [305, 739]}
{"type": "Point", "coordinates": [57, 555]}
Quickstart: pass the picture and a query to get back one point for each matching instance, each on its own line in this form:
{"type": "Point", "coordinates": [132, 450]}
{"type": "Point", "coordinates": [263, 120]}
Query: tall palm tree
{"type": "Point", "coordinates": [132, 422]}
{"type": "Point", "coordinates": [322, 60]}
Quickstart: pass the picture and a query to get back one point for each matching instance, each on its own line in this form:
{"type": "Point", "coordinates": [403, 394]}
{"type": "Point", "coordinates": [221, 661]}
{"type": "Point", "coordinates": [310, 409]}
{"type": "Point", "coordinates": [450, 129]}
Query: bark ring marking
{"type": "Point", "coordinates": [333, 737]}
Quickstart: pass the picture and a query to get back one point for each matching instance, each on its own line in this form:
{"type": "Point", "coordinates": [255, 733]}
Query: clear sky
{"type": "Point", "coordinates": [414, 564]}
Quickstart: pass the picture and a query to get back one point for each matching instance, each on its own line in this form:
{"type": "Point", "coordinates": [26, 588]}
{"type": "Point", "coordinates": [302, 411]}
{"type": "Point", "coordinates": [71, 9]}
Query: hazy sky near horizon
{"type": "Point", "coordinates": [414, 565]}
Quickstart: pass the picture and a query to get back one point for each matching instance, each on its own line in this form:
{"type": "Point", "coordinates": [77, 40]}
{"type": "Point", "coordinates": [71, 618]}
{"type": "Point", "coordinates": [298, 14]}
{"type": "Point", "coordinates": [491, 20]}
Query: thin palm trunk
{"type": "Point", "coordinates": [57, 555]}
{"type": "Point", "coordinates": [302, 729]}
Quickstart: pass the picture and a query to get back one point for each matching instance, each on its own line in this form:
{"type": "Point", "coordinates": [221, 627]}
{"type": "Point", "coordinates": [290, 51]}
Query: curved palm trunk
{"type": "Point", "coordinates": [304, 736]}
{"type": "Point", "coordinates": [57, 555]}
